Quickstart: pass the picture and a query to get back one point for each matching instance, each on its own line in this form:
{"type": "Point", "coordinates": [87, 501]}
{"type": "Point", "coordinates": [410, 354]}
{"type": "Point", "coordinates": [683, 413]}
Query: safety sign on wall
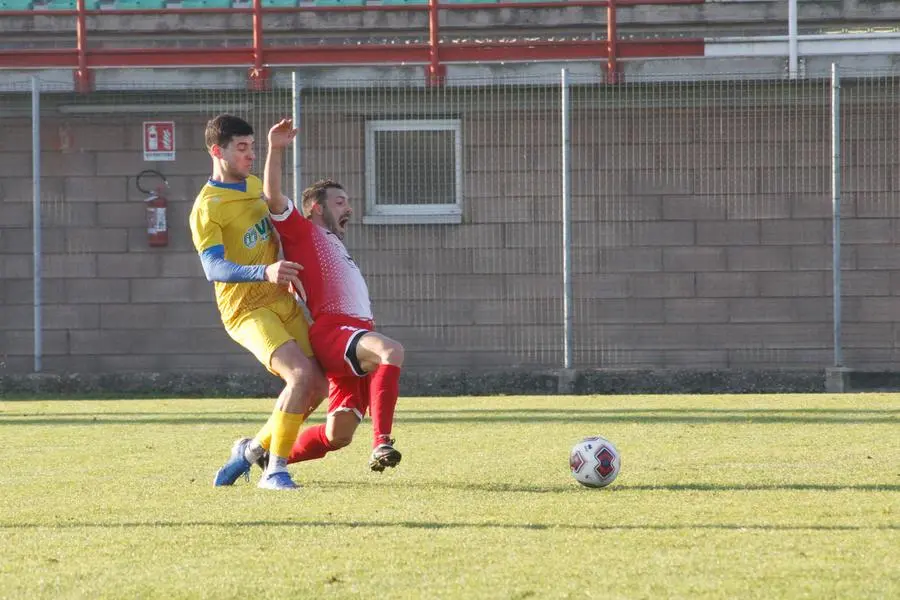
{"type": "Point", "coordinates": [159, 140]}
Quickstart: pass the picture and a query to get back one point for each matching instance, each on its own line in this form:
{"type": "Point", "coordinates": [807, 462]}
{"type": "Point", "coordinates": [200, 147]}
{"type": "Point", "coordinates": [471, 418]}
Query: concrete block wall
{"type": "Point", "coordinates": [724, 256]}
{"type": "Point", "coordinates": [110, 302]}
{"type": "Point", "coordinates": [701, 239]}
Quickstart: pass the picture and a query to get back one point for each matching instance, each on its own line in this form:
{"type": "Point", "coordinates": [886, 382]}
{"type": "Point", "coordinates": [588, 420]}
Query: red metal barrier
{"type": "Point", "coordinates": [83, 79]}
{"type": "Point", "coordinates": [434, 56]}
{"type": "Point", "coordinates": [612, 66]}
{"type": "Point", "coordinates": [259, 74]}
{"type": "Point", "coordinates": [436, 71]}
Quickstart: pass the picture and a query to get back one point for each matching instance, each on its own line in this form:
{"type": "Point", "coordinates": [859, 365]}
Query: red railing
{"type": "Point", "coordinates": [434, 55]}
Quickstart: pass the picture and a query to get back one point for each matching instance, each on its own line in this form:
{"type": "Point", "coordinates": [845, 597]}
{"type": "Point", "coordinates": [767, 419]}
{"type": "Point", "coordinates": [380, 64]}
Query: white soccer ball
{"type": "Point", "coordinates": [594, 462]}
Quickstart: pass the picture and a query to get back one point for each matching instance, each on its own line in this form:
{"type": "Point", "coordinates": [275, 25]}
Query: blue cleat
{"type": "Point", "coordinates": [280, 480]}
{"type": "Point", "coordinates": [236, 466]}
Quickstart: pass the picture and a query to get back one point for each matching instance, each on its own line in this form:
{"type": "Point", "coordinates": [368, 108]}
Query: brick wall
{"type": "Point", "coordinates": [701, 238]}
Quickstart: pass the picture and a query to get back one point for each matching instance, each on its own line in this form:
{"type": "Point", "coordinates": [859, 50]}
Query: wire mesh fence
{"type": "Point", "coordinates": [700, 219]}
{"type": "Point", "coordinates": [692, 188]}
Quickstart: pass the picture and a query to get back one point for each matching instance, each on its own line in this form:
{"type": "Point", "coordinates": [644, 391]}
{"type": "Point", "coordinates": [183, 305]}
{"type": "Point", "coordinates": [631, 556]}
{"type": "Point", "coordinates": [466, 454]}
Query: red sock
{"type": "Point", "coordinates": [310, 445]}
{"type": "Point", "coordinates": [383, 392]}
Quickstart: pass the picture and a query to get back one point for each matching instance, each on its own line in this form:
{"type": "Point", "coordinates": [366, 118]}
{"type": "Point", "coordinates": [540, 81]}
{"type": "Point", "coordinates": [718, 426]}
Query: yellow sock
{"type": "Point", "coordinates": [264, 437]}
{"type": "Point", "coordinates": [285, 427]}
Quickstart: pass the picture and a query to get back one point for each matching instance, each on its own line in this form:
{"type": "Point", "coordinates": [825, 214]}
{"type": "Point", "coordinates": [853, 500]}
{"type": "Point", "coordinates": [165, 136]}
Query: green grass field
{"type": "Point", "coordinates": [790, 496]}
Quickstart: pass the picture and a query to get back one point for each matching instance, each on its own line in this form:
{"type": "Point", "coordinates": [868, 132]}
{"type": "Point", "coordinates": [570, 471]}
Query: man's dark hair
{"type": "Point", "coordinates": [317, 192]}
{"type": "Point", "coordinates": [222, 129]}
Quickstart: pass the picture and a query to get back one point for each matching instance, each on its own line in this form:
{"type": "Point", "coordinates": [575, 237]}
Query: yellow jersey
{"type": "Point", "coordinates": [235, 216]}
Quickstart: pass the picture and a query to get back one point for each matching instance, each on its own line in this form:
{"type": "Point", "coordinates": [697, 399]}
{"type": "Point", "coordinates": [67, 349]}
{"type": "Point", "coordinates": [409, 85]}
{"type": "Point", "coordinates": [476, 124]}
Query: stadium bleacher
{"type": "Point", "coordinates": [140, 4]}
{"type": "Point", "coordinates": [16, 4]}
{"type": "Point", "coordinates": [339, 2]}
{"type": "Point", "coordinates": [205, 3]}
{"type": "Point", "coordinates": [38, 5]}
{"type": "Point", "coordinates": [70, 4]}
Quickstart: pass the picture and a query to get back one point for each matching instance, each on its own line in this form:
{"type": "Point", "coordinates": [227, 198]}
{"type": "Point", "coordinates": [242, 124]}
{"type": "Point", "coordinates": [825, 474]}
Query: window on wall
{"type": "Point", "coordinates": [413, 171]}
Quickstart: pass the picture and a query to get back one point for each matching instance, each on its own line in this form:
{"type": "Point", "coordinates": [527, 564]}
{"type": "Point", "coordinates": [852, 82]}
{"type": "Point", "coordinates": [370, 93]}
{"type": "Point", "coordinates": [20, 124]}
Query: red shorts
{"type": "Point", "coordinates": [333, 339]}
{"type": "Point", "coordinates": [348, 393]}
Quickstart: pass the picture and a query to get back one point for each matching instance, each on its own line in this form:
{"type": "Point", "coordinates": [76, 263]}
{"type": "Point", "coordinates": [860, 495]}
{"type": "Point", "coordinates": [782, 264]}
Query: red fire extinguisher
{"type": "Point", "coordinates": [156, 202]}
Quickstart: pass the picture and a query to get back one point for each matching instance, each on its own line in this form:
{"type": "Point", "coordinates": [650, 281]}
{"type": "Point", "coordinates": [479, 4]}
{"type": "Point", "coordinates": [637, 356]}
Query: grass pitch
{"type": "Point", "coordinates": [787, 496]}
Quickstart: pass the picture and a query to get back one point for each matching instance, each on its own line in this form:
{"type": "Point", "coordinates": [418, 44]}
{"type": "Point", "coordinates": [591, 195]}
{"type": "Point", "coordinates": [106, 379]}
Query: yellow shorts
{"type": "Point", "coordinates": [264, 330]}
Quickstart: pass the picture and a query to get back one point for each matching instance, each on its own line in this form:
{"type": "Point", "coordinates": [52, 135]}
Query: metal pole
{"type": "Point", "coordinates": [36, 215]}
{"type": "Point", "coordinates": [792, 39]}
{"type": "Point", "coordinates": [295, 115]}
{"type": "Point", "coordinates": [82, 74]}
{"type": "Point", "coordinates": [612, 52]}
{"type": "Point", "coordinates": [259, 73]}
{"type": "Point", "coordinates": [566, 221]}
{"type": "Point", "coordinates": [836, 210]}
{"type": "Point", "coordinates": [434, 39]}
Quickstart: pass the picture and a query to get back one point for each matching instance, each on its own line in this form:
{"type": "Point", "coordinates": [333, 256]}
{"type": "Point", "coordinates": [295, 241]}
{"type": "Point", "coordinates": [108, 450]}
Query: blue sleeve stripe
{"type": "Point", "coordinates": [218, 269]}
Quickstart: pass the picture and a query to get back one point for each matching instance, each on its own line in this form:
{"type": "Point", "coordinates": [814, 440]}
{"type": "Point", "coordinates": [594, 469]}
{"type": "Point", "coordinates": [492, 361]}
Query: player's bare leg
{"type": "Point", "coordinates": [260, 454]}
{"type": "Point", "coordinates": [382, 357]}
{"type": "Point", "coordinates": [318, 440]}
{"type": "Point", "coordinates": [303, 384]}
{"type": "Point", "coordinates": [304, 389]}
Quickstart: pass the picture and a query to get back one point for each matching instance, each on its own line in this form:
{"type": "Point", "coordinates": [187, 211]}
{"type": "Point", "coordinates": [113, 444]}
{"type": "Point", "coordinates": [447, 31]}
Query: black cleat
{"type": "Point", "coordinates": [263, 461]}
{"type": "Point", "coordinates": [383, 456]}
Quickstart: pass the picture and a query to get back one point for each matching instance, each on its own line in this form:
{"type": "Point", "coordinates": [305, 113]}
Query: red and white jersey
{"type": "Point", "coordinates": [334, 284]}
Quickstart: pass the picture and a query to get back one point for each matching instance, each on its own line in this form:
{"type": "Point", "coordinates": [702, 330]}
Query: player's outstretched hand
{"type": "Point", "coordinates": [282, 133]}
{"type": "Point", "coordinates": [285, 272]}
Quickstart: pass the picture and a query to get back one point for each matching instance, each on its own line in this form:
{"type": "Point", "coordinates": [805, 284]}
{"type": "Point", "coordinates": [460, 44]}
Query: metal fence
{"type": "Point", "coordinates": [500, 223]}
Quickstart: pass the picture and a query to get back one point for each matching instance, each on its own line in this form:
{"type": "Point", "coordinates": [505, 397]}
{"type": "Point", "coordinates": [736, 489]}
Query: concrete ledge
{"type": "Point", "coordinates": [837, 380]}
{"type": "Point", "coordinates": [566, 380]}
{"type": "Point", "coordinates": [701, 382]}
{"type": "Point", "coordinates": [463, 383]}
{"type": "Point", "coordinates": [871, 381]}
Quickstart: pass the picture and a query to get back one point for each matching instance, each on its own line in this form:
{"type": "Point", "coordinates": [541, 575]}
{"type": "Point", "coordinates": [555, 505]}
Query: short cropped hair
{"type": "Point", "coordinates": [317, 192]}
{"type": "Point", "coordinates": [224, 128]}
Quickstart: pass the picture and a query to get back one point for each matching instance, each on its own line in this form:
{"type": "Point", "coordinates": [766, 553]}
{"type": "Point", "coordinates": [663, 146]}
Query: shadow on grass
{"type": "Point", "coordinates": [430, 525]}
{"type": "Point", "coordinates": [489, 416]}
{"type": "Point", "coordinates": [624, 488]}
{"type": "Point", "coordinates": [505, 411]}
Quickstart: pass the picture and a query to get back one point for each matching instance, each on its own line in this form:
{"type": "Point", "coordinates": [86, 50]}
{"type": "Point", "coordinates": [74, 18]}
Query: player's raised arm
{"type": "Point", "coordinates": [280, 136]}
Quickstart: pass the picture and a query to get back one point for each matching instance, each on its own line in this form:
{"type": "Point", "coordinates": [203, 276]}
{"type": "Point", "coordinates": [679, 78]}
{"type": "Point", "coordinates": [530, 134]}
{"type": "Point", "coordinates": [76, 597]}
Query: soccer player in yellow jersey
{"type": "Point", "coordinates": [240, 253]}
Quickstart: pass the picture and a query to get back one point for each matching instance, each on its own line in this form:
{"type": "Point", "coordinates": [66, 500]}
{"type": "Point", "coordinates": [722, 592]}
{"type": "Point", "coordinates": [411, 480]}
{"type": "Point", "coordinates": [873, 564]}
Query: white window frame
{"type": "Point", "coordinates": [403, 214]}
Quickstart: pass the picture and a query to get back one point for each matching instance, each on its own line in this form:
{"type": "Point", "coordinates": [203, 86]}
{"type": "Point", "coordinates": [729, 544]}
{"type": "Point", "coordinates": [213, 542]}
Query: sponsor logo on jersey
{"type": "Point", "coordinates": [259, 232]}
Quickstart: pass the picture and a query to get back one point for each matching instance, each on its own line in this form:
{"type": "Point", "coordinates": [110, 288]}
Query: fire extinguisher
{"type": "Point", "coordinates": [156, 202]}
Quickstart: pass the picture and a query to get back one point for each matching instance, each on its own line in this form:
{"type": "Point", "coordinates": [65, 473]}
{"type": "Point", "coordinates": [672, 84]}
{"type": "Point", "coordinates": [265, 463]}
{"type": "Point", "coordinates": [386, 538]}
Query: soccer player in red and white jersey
{"type": "Point", "coordinates": [362, 365]}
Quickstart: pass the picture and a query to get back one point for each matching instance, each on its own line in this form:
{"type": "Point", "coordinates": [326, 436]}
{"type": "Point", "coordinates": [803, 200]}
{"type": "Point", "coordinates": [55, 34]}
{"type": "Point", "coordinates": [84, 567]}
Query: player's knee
{"type": "Point", "coordinates": [309, 376]}
{"type": "Point", "coordinates": [302, 372]}
{"type": "Point", "coordinates": [300, 384]}
{"type": "Point", "coordinates": [392, 354]}
{"type": "Point", "coordinates": [340, 427]}
{"type": "Point", "coordinates": [318, 387]}
{"type": "Point", "coordinates": [297, 376]}
{"type": "Point", "coordinates": [340, 434]}
{"type": "Point", "coordinates": [298, 371]}
{"type": "Point", "coordinates": [340, 439]}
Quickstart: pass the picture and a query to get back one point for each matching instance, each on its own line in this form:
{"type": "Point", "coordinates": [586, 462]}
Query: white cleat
{"type": "Point", "coordinates": [280, 480]}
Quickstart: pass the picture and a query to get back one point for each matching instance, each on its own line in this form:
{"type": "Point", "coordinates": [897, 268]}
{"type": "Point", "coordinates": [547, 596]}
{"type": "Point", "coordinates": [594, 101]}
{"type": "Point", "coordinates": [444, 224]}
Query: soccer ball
{"type": "Point", "coordinates": [594, 462]}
